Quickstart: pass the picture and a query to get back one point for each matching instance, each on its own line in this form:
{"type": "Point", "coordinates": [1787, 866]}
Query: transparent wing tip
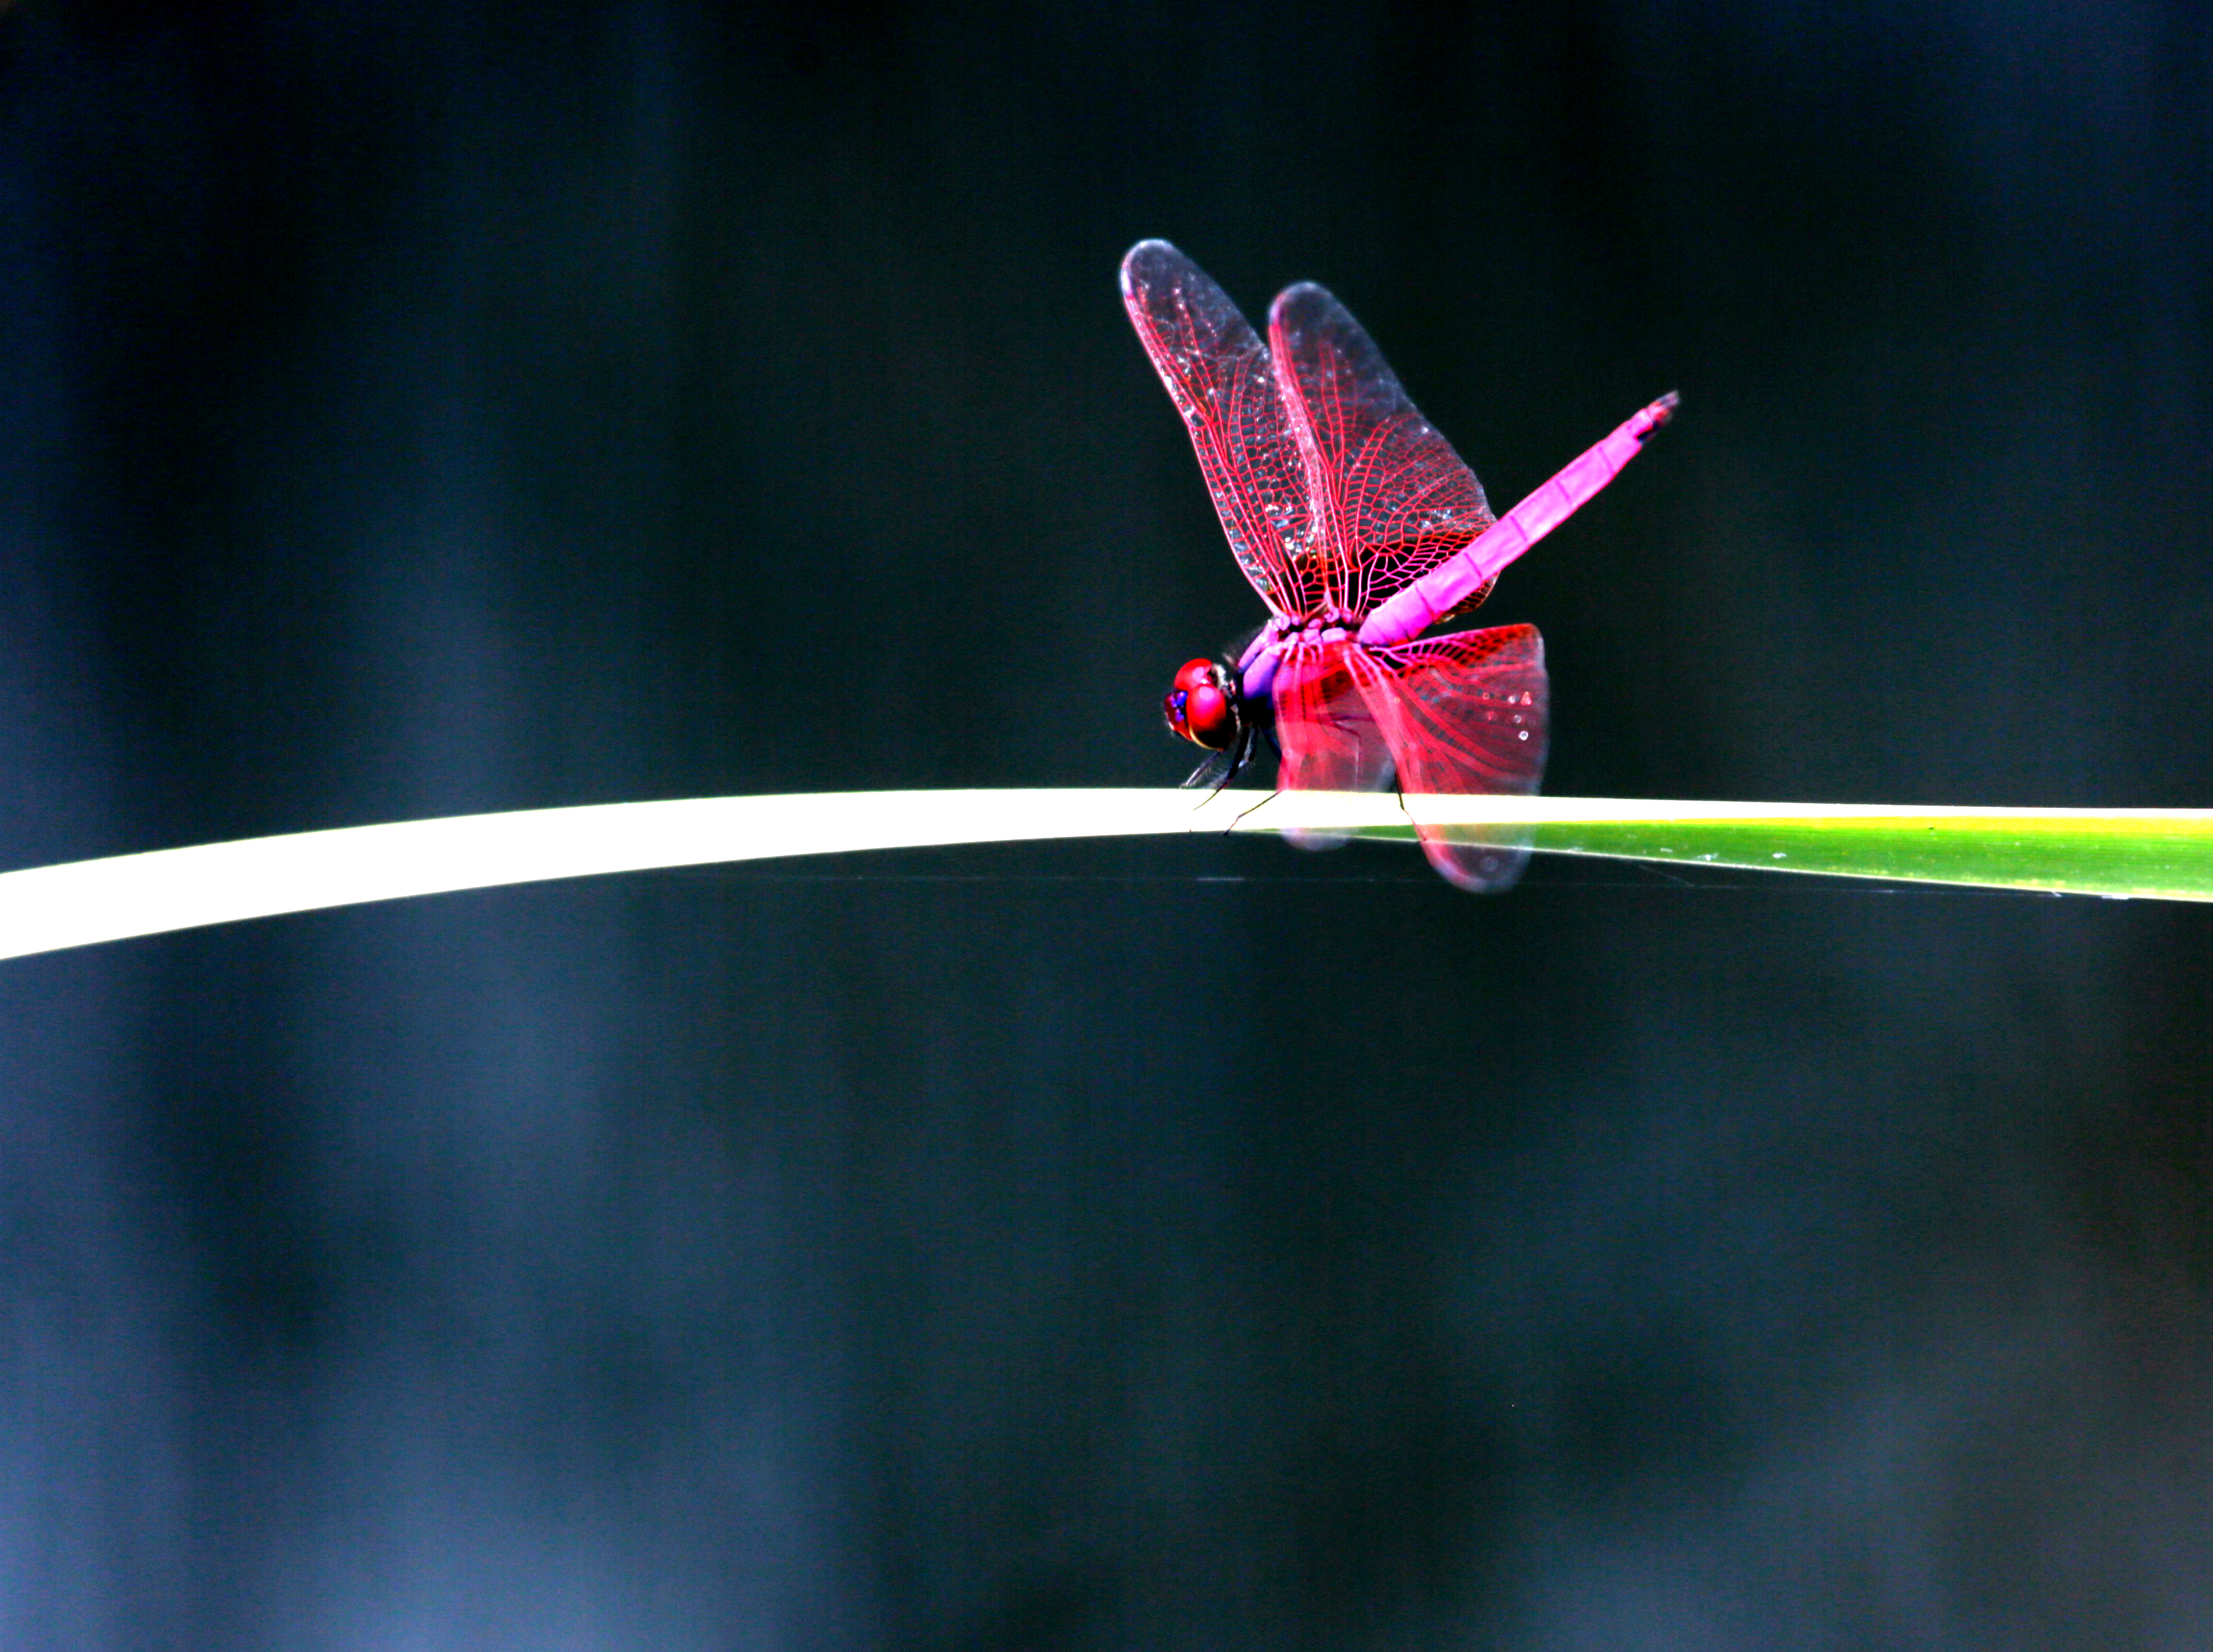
{"type": "Point", "coordinates": [1480, 868]}
{"type": "Point", "coordinates": [1146, 251]}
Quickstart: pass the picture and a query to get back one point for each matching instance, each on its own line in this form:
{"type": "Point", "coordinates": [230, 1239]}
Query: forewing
{"type": "Point", "coordinates": [1327, 731]}
{"type": "Point", "coordinates": [1218, 374]}
{"type": "Point", "coordinates": [1392, 499]}
{"type": "Point", "coordinates": [1463, 714]}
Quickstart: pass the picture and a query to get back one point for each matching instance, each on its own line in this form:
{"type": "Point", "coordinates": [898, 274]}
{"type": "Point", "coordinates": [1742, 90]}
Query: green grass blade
{"type": "Point", "coordinates": [2148, 854]}
{"type": "Point", "coordinates": [2163, 860]}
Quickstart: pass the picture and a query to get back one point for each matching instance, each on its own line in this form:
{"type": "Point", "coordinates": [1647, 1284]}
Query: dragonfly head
{"type": "Point", "coordinates": [1203, 705]}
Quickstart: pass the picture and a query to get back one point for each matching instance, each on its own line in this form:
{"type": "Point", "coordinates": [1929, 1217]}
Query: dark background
{"type": "Point", "coordinates": [412, 411]}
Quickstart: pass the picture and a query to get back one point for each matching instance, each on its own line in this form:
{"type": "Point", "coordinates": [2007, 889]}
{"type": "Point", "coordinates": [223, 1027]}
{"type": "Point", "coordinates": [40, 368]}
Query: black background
{"type": "Point", "coordinates": [417, 411]}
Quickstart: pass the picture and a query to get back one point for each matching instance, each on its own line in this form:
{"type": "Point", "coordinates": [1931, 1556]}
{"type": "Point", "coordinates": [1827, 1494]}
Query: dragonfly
{"type": "Point", "coordinates": [1362, 530]}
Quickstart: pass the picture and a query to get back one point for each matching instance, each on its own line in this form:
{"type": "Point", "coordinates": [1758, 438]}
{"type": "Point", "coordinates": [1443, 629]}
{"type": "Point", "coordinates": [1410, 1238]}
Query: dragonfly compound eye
{"type": "Point", "coordinates": [1202, 707]}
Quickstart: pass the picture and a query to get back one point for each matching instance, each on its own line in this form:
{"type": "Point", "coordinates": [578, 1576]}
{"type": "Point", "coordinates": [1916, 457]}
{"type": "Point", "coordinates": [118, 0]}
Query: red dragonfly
{"type": "Point", "coordinates": [1360, 528]}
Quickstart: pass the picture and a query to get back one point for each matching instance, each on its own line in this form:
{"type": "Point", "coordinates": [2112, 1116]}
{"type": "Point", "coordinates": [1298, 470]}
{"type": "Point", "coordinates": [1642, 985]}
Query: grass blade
{"type": "Point", "coordinates": [2135, 853]}
{"type": "Point", "coordinates": [2145, 853]}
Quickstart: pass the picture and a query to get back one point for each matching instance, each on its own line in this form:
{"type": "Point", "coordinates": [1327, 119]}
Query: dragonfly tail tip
{"type": "Point", "coordinates": [1654, 417]}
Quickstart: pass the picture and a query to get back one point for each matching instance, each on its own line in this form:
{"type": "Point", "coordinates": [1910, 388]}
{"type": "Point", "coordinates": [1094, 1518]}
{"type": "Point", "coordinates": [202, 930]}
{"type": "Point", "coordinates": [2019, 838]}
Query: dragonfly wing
{"type": "Point", "coordinates": [1328, 730]}
{"type": "Point", "coordinates": [1463, 714]}
{"type": "Point", "coordinates": [1391, 497]}
{"type": "Point", "coordinates": [1218, 374]}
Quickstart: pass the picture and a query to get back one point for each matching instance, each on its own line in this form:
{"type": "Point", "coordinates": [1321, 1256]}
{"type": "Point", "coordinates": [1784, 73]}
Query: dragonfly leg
{"type": "Point", "coordinates": [1240, 755]}
{"type": "Point", "coordinates": [1224, 766]}
{"type": "Point", "coordinates": [1241, 813]}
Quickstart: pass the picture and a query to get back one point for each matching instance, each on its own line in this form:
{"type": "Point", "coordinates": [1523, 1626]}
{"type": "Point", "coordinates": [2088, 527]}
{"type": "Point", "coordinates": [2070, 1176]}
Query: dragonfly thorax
{"type": "Point", "coordinates": [1318, 625]}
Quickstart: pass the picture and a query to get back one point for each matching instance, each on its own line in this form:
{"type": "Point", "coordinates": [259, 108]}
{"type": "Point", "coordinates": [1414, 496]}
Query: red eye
{"type": "Point", "coordinates": [1195, 674]}
{"type": "Point", "coordinates": [1202, 707]}
{"type": "Point", "coordinates": [1212, 721]}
